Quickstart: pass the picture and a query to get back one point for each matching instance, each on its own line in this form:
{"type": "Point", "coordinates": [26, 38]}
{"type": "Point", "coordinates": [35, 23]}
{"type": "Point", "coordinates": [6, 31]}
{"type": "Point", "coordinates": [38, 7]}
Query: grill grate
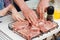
{"type": "Point", "coordinates": [3, 36]}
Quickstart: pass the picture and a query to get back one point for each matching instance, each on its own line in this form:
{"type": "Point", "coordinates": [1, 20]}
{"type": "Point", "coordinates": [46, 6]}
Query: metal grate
{"type": "Point", "coordinates": [3, 36]}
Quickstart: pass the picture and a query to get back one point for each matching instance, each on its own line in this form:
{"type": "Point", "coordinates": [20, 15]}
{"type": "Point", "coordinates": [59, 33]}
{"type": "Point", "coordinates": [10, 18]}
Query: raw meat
{"type": "Point", "coordinates": [25, 30]}
{"type": "Point", "coordinates": [30, 31]}
{"type": "Point", "coordinates": [20, 25]}
{"type": "Point", "coordinates": [46, 26]}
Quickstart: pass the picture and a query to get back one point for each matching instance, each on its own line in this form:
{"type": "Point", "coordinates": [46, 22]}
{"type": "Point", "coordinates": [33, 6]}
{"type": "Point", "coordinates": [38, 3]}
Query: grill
{"type": "Point", "coordinates": [3, 36]}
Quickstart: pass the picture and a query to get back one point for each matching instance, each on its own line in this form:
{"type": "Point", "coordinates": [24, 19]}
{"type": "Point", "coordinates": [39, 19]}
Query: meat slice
{"type": "Point", "coordinates": [29, 33]}
{"type": "Point", "coordinates": [20, 25]}
{"type": "Point", "coordinates": [34, 31]}
{"type": "Point", "coordinates": [47, 25]}
{"type": "Point", "coordinates": [26, 31]}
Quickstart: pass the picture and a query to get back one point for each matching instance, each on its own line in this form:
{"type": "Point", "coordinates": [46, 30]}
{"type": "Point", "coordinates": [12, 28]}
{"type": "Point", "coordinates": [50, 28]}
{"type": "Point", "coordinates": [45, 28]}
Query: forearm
{"type": "Point", "coordinates": [8, 7]}
{"type": "Point", "coordinates": [13, 9]}
{"type": "Point", "coordinates": [22, 5]}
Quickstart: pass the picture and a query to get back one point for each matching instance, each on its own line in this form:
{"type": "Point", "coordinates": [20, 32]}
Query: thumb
{"type": "Point", "coordinates": [20, 19]}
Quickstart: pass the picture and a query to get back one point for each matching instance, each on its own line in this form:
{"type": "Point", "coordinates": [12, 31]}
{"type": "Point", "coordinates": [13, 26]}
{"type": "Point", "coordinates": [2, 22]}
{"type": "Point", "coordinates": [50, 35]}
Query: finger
{"type": "Point", "coordinates": [18, 18]}
{"type": "Point", "coordinates": [13, 25]}
{"type": "Point", "coordinates": [35, 15]}
{"type": "Point", "coordinates": [33, 20]}
{"type": "Point", "coordinates": [21, 19]}
{"type": "Point", "coordinates": [29, 19]}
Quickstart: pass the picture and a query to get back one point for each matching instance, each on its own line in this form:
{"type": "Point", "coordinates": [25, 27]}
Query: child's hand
{"type": "Point", "coordinates": [16, 16]}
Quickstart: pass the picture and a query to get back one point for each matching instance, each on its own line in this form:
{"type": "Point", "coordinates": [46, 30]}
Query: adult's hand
{"type": "Point", "coordinates": [43, 4]}
{"type": "Point", "coordinates": [29, 14]}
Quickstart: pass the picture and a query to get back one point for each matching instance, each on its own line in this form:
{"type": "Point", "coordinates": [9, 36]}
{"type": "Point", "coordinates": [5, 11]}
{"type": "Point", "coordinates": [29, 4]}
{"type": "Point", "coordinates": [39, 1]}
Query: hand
{"type": "Point", "coordinates": [4, 11]}
{"type": "Point", "coordinates": [42, 6]}
{"type": "Point", "coordinates": [31, 17]}
{"type": "Point", "coordinates": [29, 14]}
{"type": "Point", "coordinates": [16, 16]}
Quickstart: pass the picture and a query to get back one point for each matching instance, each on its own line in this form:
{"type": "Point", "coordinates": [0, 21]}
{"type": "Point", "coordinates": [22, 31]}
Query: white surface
{"type": "Point", "coordinates": [57, 4]}
{"type": "Point", "coordinates": [4, 27]}
{"type": "Point", "coordinates": [32, 4]}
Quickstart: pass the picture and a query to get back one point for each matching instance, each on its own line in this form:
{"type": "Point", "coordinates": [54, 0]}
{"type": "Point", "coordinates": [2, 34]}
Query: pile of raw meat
{"type": "Point", "coordinates": [29, 30]}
